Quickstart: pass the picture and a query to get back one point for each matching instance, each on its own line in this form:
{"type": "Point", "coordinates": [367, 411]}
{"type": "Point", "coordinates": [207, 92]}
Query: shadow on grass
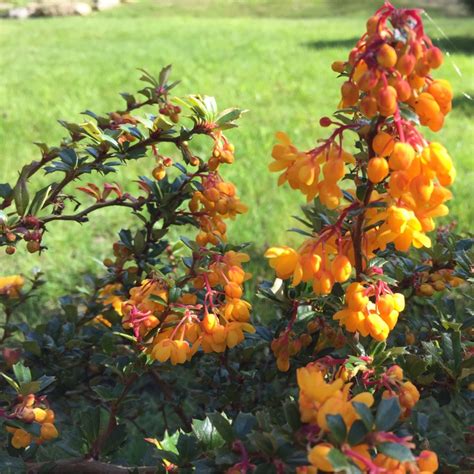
{"type": "Point", "coordinates": [331, 44]}
{"type": "Point", "coordinates": [456, 44]}
{"type": "Point", "coordinates": [463, 104]}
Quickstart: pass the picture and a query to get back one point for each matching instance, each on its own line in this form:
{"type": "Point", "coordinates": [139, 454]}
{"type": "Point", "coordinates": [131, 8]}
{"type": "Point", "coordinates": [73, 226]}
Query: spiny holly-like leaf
{"type": "Point", "coordinates": [22, 373]}
{"type": "Point", "coordinates": [207, 434]}
{"type": "Point", "coordinates": [222, 425]}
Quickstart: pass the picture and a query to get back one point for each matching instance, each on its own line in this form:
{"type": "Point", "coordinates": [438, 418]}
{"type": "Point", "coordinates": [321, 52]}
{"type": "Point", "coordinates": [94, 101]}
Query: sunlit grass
{"type": "Point", "coordinates": [278, 68]}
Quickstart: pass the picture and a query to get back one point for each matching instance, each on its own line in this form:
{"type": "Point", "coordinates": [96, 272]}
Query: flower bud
{"type": "Point", "coordinates": [401, 156]}
{"type": "Point", "coordinates": [350, 93]}
{"type": "Point", "coordinates": [386, 56]}
{"type": "Point", "coordinates": [377, 169]}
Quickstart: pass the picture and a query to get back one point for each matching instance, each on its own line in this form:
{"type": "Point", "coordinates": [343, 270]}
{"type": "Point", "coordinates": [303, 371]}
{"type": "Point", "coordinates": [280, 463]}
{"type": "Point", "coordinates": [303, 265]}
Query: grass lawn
{"type": "Point", "coordinates": [271, 57]}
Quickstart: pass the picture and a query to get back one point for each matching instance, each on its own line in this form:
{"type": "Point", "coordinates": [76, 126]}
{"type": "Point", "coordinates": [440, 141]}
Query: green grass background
{"type": "Point", "coordinates": [271, 57]}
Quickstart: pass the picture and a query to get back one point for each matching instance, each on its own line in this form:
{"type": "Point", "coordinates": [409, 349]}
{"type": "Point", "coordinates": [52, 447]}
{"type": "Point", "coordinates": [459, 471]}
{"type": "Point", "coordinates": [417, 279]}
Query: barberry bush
{"type": "Point", "coordinates": [361, 358]}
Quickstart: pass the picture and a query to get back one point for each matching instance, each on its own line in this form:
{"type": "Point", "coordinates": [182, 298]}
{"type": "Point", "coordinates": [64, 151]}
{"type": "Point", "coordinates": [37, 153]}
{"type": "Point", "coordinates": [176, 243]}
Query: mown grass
{"type": "Point", "coordinates": [270, 57]}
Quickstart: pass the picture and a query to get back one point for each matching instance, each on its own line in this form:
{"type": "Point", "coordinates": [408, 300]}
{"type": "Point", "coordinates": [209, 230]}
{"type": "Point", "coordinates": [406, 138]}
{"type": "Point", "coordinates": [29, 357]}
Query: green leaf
{"type": "Point", "coordinates": [169, 442]}
{"type": "Point", "coordinates": [222, 426]}
{"type": "Point", "coordinates": [339, 462]}
{"type": "Point", "coordinates": [408, 114]}
{"type": "Point", "coordinates": [414, 366]}
{"type": "Point", "coordinates": [90, 424]}
{"type": "Point", "coordinates": [147, 77]}
{"type": "Point", "coordinates": [243, 424]}
{"type": "Point", "coordinates": [169, 456]}
{"type": "Point", "coordinates": [21, 196]}
{"type": "Point", "coordinates": [129, 99]}
{"type": "Point", "coordinates": [292, 415]}
{"type": "Point", "coordinates": [69, 157]}
{"type": "Point", "coordinates": [5, 190]}
{"type": "Point", "coordinates": [38, 201]}
{"type": "Point", "coordinates": [29, 387]}
{"type": "Point", "coordinates": [388, 413]}
{"type": "Point", "coordinates": [457, 350]}
{"type": "Point", "coordinates": [227, 117]}
{"type": "Point", "coordinates": [337, 426]}
{"type": "Point", "coordinates": [164, 75]}
{"type": "Point", "coordinates": [139, 242]}
{"type": "Point", "coordinates": [265, 468]}
{"type": "Point", "coordinates": [22, 373]}
{"type": "Point", "coordinates": [207, 434]}
{"type": "Point", "coordinates": [32, 428]}
{"type": "Point", "coordinates": [365, 414]}
{"type": "Point", "coordinates": [377, 348]}
{"type": "Point", "coordinates": [10, 381]}
{"type": "Point", "coordinates": [396, 451]}
{"type": "Point", "coordinates": [158, 299]}
{"type": "Point", "coordinates": [46, 381]}
{"type": "Point", "coordinates": [129, 337]}
{"type": "Point", "coordinates": [115, 439]}
{"type": "Point", "coordinates": [357, 433]}
{"type": "Point", "coordinates": [187, 447]}
{"type": "Point", "coordinates": [33, 347]}
{"type": "Point", "coordinates": [264, 442]}
{"type": "Point", "coordinates": [106, 393]}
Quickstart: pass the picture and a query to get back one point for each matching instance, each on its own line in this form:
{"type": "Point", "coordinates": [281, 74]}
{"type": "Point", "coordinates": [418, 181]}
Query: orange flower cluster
{"type": "Point", "coordinates": [416, 192]}
{"type": "Point", "coordinates": [31, 410]}
{"type": "Point", "coordinates": [216, 201]}
{"type": "Point", "coordinates": [141, 312]}
{"type": "Point", "coordinates": [322, 261]}
{"type": "Point", "coordinates": [302, 169]}
{"type": "Point", "coordinates": [429, 283]}
{"type": "Point", "coordinates": [162, 163]}
{"type": "Point", "coordinates": [218, 323]}
{"type": "Point", "coordinates": [317, 400]}
{"type": "Point", "coordinates": [426, 463]}
{"type": "Point", "coordinates": [185, 325]}
{"type": "Point", "coordinates": [289, 344]}
{"type": "Point", "coordinates": [372, 309]}
{"type": "Point", "coordinates": [408, 395]}
{"type": "Point", "coordinates": [110, 295]}
{"type": "Point", "coordinates": [224, 323]}
{"type": "Point", "coordinates": [11, 286]}
{"type": "Point", "coordinates": [320, 397]}
{"type": "Point", "coordinates": [387, 72]}
{"type": "Point", "coordinates": [389, 66]}
{"type": "Point", "coordinates": [223, 152]}
{"type": "Point", "coordinates": [122, 255]}
{"type": "Point", "coordinates": [286, 345]}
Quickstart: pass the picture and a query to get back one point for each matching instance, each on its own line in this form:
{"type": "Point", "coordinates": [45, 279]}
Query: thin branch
{"type": "Point", "coordinates": [81, 216]}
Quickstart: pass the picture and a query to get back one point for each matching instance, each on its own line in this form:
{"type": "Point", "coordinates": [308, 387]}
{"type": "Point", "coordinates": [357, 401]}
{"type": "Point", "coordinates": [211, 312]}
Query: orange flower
{"type": "Point", "coordinates": [11, 285]}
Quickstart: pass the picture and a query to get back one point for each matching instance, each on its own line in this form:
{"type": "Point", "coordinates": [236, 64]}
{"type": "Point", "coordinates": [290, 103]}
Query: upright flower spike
{"type": "Point", "coordinates": [397, 186]}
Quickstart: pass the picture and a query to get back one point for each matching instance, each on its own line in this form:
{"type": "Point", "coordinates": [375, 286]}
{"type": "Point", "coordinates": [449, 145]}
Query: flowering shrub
{"type": "Point", "coordinates": [362, 360]}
